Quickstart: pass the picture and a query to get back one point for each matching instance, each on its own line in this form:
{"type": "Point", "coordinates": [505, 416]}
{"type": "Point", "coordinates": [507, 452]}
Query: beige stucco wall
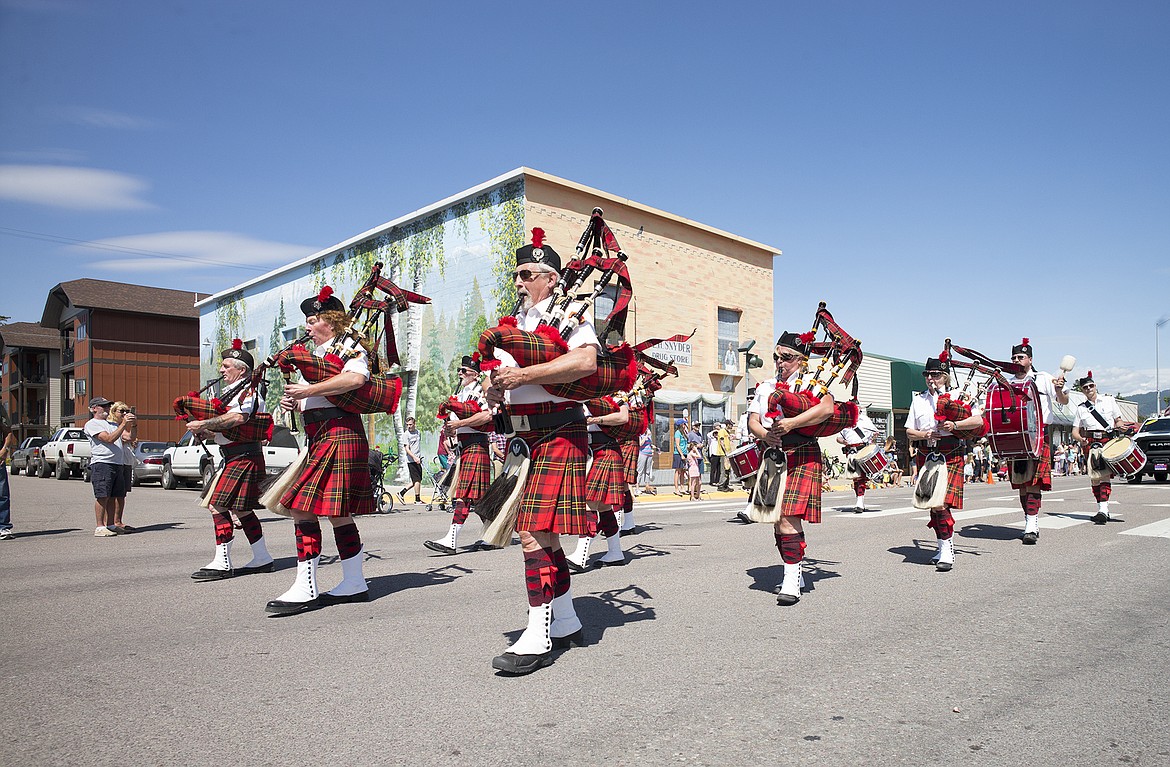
{"type": "Point", "coordinates": [682, 274]}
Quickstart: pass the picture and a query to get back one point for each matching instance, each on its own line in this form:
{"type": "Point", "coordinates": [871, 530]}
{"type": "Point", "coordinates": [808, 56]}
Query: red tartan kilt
{"type": "Point", "coordinates": [606, 483]}
{"type": "Point", "coordinates": [238, 488]}
{"type": "Point", "coordinates": [802, 489]}
{"type": "Point", "coordinates": [630, 459]}
{"type": "Point", "coordinates": [474, 474]}
{"type": "Point", "coordinates": [955, 460]}
{"type": "Point", "coordinates": [1042, 480]}
{"type": "Point", "coordinates": [553, 499]}
{"type": "Point", "coordinates": [336, 480]}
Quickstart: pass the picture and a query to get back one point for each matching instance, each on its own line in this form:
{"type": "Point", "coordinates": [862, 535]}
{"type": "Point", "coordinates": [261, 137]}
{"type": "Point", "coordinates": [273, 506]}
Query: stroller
{"type": "Point", "coordinates": [441, 479]}
{"type": "Point", "coordinates": [379, 463]}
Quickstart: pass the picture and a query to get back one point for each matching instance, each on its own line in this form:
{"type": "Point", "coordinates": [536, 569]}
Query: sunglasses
{"type": "Point", "coordinates": [527, 275]}
{"type": "Point", "coordinates": [1089, 386]}
{"type": "Point", "coordinates": [933, 374]}
{"type": "Point", "coordinates": [465, 370]}
{"type": "Point", "coordinates": [1019, 357]}
{"type": "Point", "coordinates": [785, 357]}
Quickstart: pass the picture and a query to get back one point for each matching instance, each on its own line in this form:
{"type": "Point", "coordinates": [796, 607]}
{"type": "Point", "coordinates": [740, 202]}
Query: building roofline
{"type": "Point", "coordinates": [500, 180]}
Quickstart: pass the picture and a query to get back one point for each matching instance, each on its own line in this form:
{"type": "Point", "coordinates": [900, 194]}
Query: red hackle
{"type": "Point", "coordinates": [537, 237]}
{"type": "Point", "coordinates": [325, 294]}
{"type": "Point", "coordinates": [237, 344]}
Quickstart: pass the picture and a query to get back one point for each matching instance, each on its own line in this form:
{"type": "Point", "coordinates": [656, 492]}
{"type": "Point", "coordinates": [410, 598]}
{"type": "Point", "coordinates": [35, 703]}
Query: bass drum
{"type": "Point", "coordinates": [1014, 420]}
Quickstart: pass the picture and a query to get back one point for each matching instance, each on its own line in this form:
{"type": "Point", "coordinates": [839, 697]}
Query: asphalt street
{"type": "Point", "coordinates": [1054, 654]}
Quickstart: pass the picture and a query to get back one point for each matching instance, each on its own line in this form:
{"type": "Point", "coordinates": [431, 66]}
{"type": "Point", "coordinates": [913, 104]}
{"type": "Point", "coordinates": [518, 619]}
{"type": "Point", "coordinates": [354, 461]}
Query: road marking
{"type": "Point", "coordinates": [1152, 530]}
{"type": "Point", "coordinates": [1050, 521]}
{"type": "Point", "coordinates": [993, 511]}
{"type": "Point", "coordinates": [876, 513]}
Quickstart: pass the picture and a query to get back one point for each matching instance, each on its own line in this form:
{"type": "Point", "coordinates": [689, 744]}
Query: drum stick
{"type": "Point", "coordinates": [1067, 363]}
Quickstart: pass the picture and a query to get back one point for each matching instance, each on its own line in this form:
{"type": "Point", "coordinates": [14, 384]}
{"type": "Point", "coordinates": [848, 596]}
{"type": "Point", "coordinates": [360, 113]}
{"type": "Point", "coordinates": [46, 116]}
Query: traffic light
{"type": "Point", "coordinates": [754, 361]}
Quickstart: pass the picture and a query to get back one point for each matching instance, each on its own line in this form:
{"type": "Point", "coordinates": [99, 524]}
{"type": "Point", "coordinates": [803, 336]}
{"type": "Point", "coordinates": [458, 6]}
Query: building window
{"type": "Point", "coordinates": [81, 331]}
{"type": "Point", "coordinates": [727, 340]}
{"type": "Point", "coordinates": [80, 387]}
{"type": "Point", "coordinates": [290, 335]}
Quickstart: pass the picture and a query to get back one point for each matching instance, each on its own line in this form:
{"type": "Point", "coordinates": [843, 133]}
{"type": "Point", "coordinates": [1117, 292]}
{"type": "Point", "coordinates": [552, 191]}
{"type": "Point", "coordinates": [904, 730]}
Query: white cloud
{"type": "Point", "coordinates": [1126, 380]}
{"type": "Point", "coordinates": [107, 118]}
{"type": "Point", "coordinates": [171, 251]}
{"type": "Point", "coordinates": [72, 188]}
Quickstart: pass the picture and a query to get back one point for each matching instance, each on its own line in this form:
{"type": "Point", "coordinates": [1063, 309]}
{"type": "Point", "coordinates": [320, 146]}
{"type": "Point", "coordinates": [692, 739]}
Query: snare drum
{"type": "Point", "coordinates": [1123, 456]}
{"type": "Point", "coordinates": [745, 461]}
{"type": "Point", "coordinates": [1014, 420]}
{"type": "Point", "coordinates": [871, 460]}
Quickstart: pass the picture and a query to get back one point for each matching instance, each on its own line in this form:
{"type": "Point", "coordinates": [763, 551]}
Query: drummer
{"type": "Point", "coordinates": [744, 438]}
{"type": "Point", "coordinates": [854, 439]}
{"type": "Point", "coordinates": [1094, 423]}
{"type": "Point", "coordinates": [1050, 389]}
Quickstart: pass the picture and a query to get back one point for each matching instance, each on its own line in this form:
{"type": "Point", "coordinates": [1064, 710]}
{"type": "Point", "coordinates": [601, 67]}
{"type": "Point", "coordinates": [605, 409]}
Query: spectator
{"type": "Point", "coordinates": [695, 437]}
{"type": "Point", "coordinates": [7, 445]}
{"type": "Point", "coordinates": [118, 412]}
{"type": "Point", "coordinates": [680, 457]}
{"type": "Point", "coordinates": [646, 451]}
{"type": "Point", "coordinates": [723, 432]}
{"type": "Point", "coordinates": [498, 444]}
{"type": "Point", "coordinates": [412, 449]}
{"type": "Point", "coordinates": [895, 473]}
{"type": "Point", "coordinates": [694, 472]}
{"type": "Point", "coordinates": [443, 452]}
{"type": "Point", "coordinates": [105, 463]}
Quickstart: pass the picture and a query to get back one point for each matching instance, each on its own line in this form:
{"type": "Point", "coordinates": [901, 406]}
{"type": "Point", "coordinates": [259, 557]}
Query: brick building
{"type": "Point", "coordinates": [124, 342]}
{"type": "Point", "coordinates": [31, 378]}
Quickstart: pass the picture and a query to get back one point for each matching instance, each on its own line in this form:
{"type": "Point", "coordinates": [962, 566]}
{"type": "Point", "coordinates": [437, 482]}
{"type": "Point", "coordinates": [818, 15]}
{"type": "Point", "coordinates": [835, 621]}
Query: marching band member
{"type": "Point", "coordinates": [854, 439]}
{"type": "Point", "coordinates": [335, 482]}
{"type": "Point", "coordinates": [474, 470]}
{"type": "Point", "coordinates": [933, 436]}
{"type": "Point", "coordinates": [802, 491]}
{"type": "Point", "coordinates": [553, 498]}
{"type": "Point", "coordinates": [1050, 389]}
{"type": "Point", "coordinates": [605, 490]}
{"type": "Point", "coordinates": [743, 435]}
{"type": "Point", "coordinates": [237, 490]}
{"type": "Point", "coordinates": [1093, 423]}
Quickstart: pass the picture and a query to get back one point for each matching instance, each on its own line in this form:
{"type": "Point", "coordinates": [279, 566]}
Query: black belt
{"type": "Point", "coordinates": [318, 414]}
{"type": "Point", "coordinates": [942, 443]}
{"type": "Point", "coordinates": [240, 448]}
{"type": "Point", "coordinates": [600, 439]}
{"type": "Point", "coordinates": [793, 439]}
{"type": "Point", "coordinates": [472, 439]}
{"type": "Point", "coordinates": [1095, 434]}
{"type": "Point", "coordinates": [540, 421]}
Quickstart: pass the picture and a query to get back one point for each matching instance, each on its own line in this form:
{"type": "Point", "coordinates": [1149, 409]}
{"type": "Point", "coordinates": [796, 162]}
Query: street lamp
{"type": "Point", "coordinates": [1157, 366]}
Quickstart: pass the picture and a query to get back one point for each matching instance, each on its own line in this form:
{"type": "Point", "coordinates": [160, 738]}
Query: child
{"type": "Point", "coordinates": [693, 472]}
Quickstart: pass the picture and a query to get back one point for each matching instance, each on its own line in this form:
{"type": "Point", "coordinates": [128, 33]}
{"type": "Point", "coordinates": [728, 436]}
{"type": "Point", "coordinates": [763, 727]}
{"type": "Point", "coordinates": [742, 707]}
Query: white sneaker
{"type": "Point", "coordinates": [103, 532]}
{"type": "Point", "coordinates": [6, 534]}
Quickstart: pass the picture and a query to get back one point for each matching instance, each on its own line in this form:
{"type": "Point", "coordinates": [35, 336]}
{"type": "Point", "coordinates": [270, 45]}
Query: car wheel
{"type": "Point", "coordinates": [42, 468]}
{"type": "Point", "coordinates": [15, 470]}
{"type": "Point", "coordinates": [62, 469]}
{"type": "Point", "coordinates": [168, 480]}
{"type": "Point", "coordinates": [1159, 476]}
{"type": "Point", "coordinates": [207, 474]}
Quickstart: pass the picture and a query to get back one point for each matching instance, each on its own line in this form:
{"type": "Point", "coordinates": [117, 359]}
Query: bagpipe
{"type": "Point", "coordinates": [452, 407]}
{"type": "Point", "coordinates": [370, 317]}
{"type": "Point", "coordinates": [639, 398]}
{"type": "Point", "coordinates": [193, 407]}
{"type": "Point", "coordinates": [959, 405]}
{"type": "Point", "coordinates": [616, 364]}
{"type": "Point", "coordinates": [844, 352]}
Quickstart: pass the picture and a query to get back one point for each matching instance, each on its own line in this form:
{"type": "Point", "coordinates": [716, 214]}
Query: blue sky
{"type": "Point", "coordinates": [984, 171]}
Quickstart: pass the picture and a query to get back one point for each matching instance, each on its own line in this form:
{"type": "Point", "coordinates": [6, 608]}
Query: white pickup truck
{"type": "Point", "coordinates": [65, 454]}
{"type": "Point", "coordinates": [190, 463]}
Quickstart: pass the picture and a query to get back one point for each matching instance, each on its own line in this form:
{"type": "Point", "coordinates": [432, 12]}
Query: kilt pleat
{"type": "Point", "coordinates": [1042, 479]}
{"type": "Point", "coordinates": [336, 479]}
{"type": "Point", "coordinates": [802, 489]}
{"type": "Point", "coordinates": [475, 474]}
{"type": "Point", "coordinates": [553, 499]}
{"type": "Point", "coordinates": [238, 488]}
{"type": "Point", "coordinates": [606, 483]}
{"type": "Point", "coordinates": [630, 458]}
{"type": "Point", "coordinates": [955, 460]}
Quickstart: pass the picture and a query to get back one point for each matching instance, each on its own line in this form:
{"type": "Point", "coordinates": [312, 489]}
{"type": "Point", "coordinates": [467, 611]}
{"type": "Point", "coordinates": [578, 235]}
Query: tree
{"type": "Point", "coordinates": [275, 344]}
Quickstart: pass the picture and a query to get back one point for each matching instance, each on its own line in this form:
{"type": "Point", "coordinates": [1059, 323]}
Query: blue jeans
{"type": "Point", "coordinates": [5, 500]}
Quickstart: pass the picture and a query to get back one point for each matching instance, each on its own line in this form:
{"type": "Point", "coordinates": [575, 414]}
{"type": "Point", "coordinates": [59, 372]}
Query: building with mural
{"type": "Point", "coordinates": [458, 251]}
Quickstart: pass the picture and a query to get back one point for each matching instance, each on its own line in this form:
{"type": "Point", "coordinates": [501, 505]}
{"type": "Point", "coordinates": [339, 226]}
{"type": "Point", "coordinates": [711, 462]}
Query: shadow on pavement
{"type": "Point", "coordinates": [157, 527]}
{"type": "Point", "coordinates": [35, 533]}
{"type": "Point", "coordinates": [385, 585]}
{"type": "Point", "coordinates": [768, 578]}
{"type": "Point", "coordinates": [988, 532]}
{"type": "Point", "coordinates": [606, 610]}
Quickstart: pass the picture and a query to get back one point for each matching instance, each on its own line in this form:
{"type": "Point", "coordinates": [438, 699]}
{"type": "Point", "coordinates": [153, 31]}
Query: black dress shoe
{"type": "Point", "coordinates": [268, 568]}
{"type": "Point", "coordinates": [786, 600]}
{"type": "Point", "coordinates": [743, 517]}
{"type": "Point", "coordinates": [615, 563]}
{"type": "Point", "coordinates": [518, 665]}
{"type": "Point", "coordinates": [277, 607]}
{"type": "Point", "coordinates": [207, 574]}
{"type": "Point", "coordinates": [632, 530]}
{"type": "Point", "coordinates": [576, 568]}
{"type": "Point", "coordinates": [942, 567]}
{"type": "Point", "coordinates": [483, 546]}
{"type": "Point", "coordinates": [436, 546]}
{"type": "Point", "coordinates": [1100, 518]}
{"type": "Point", "coordinates": [1030, 539]}
{"type": "Point", "coordinates": [326, 599]}
{"type": "Point", "coordinates": [565, 642]}
{"type": "Point", "coordinates": [858, 510]}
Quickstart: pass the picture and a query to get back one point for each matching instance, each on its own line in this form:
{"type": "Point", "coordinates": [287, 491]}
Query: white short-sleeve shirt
{"type": "Point", "coordinates": [1105, 405]}
{"type": "Point", "coordinates": [583, 335]}
{"type": "Point", "coordinates": [358, 364]}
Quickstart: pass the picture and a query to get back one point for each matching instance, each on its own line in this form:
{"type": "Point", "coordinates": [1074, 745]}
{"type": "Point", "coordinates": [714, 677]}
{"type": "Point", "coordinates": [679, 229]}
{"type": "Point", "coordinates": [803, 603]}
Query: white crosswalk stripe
{"type": "Point", "coordinates": [1153, 530]}
{"type": "Point", "coordinates": [993, 511]}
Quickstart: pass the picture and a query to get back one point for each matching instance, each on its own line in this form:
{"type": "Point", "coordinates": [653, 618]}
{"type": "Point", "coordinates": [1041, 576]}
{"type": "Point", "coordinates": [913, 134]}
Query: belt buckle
{"type": "Point", "coordinates": [520, 423]}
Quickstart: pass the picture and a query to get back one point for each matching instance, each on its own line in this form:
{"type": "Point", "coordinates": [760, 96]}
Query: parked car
{"type": "Point", "coordinates": [1153, 438]}
{"type": "Point", "coordinates": [22, 456]}
{"type": "Point", "coordinates": [65, 454]}
{"type": "Point", "coordinates": [194, 463]}
{"type": "Point", "coordinates": [148, 461]}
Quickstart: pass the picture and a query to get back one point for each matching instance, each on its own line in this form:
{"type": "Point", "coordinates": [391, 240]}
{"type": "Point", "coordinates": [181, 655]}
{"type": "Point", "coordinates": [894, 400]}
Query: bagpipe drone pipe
{"type": "Point", "coordinates": [370, 318]}
{"type": "Point", "coordinates": [616, 364]}
{"type": "Point", "coordinates": [959, 405]}
{"type": "Point", "coordinates": [844, 352]}
{"type": "Point", "coordinates": [639, 399]}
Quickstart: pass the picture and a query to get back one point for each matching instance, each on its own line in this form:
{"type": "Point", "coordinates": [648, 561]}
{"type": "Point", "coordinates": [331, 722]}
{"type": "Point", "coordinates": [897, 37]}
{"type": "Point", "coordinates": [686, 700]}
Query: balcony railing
{"type": "Point", "coordinates": [67, 356]}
